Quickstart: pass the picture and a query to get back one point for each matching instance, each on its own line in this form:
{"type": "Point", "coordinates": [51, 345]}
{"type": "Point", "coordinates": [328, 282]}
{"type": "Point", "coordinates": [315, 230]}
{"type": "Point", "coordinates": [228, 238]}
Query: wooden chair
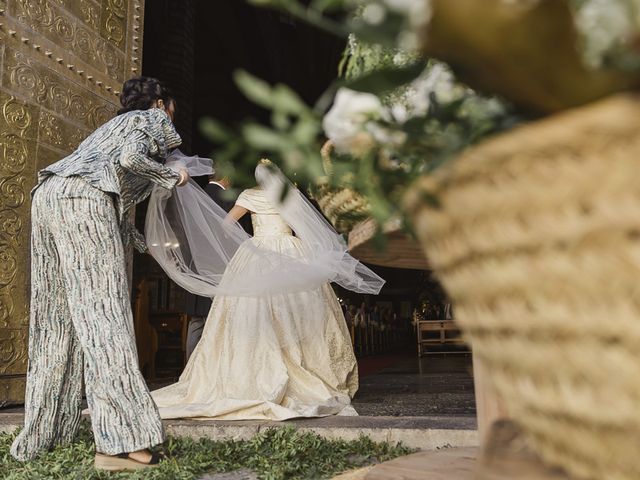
{"type": "Point", "coordinates": [436, 332]}
{"type": "Point", "coordinates": [169, 326]}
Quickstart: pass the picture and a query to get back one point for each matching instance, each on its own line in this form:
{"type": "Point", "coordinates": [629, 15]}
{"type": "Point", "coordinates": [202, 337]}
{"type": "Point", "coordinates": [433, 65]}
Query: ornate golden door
{"type": "Point", "coordinates": [62, 63]}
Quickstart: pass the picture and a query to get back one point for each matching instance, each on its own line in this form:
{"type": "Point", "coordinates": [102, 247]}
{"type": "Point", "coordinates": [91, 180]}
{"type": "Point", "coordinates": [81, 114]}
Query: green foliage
{"type": "Point", "coordinates": [278, 453]}
{"type": "Point", "coordinates": [427, 116]}
{"type": "Point", "coordinates": [361, 58]}
{"type": "Point", "coordinates": [387, 79]}
{"type": "Point", "coordinates": [290, 142]}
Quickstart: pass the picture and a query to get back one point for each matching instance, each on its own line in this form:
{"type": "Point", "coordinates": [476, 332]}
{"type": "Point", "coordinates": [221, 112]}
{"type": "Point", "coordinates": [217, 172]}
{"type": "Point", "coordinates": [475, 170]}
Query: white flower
{"type": "Point", "coordinates": [605, 25]}
{"type": "Point", "coordinates": [400, 112]}
{"type": "Point", "coordinates": [346, 121]}
{"type": "Point", "coordinates": [437, 80]}
{"type": "Point", "coordinates": [418, 12]}
{"type": "Point", "coordinates": [401, 58]}
{"type": "Point", "coordinates": [385, 136]}
{"type": "Point", "coordinates": [374, 14]}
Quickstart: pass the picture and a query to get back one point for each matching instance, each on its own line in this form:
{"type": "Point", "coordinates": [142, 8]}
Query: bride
{"type": "Point", "coordinates": [275, 344]}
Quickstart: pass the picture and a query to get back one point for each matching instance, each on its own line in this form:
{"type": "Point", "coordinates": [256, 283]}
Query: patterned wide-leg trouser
{"type": "Point", "coordinates": [81, 322]}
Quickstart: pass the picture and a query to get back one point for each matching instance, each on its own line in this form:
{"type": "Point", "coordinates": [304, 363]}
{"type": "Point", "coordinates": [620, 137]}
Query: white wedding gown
{"type": "Point", "coordinates": [252, 361]}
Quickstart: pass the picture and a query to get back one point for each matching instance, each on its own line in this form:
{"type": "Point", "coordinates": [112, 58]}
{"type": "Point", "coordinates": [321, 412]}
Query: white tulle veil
{"type": "Point", "coordinates": [193, 241]}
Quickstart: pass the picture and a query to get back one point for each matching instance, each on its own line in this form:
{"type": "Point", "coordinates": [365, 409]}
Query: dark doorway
{"type": "Point", "coordinates": [195, 46]}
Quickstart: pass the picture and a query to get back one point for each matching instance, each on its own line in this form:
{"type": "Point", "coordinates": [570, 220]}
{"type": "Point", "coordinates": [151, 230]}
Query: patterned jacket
{"type": "Point", "coordinates": [124, 157]}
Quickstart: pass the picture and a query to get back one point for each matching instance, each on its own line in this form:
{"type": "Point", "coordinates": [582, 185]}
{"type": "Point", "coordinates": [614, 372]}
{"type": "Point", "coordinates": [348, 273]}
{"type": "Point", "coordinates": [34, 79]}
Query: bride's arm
{"type": "Point", "coordinates": [236, 213]}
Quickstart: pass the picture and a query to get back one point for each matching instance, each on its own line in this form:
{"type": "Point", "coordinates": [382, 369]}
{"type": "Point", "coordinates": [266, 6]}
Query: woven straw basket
{"type": "Point", "coordinates": [537, 241]}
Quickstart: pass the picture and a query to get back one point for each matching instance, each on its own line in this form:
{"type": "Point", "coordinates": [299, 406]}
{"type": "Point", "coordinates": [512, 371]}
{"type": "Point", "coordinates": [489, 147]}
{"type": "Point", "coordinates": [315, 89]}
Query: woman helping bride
{"type": "Point", "coordinates": [275, 344]}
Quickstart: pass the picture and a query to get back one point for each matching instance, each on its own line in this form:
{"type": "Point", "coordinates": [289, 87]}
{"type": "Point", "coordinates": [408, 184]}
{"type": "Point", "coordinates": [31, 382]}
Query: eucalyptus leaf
{"type": "Point", "coordinates": [386, 79]}
{"type": "Point", "coordinates": [272, 3]}
{"type": "Point", "coordinates": [327, 5]}
{"type": "Point", "coordinates": [286, 100]}
{"type": "Point", "coordinates": [255, 89]}
{"type": "Point", "coordinates": [214, 130]}
{"type": "Point", "coordinates": [262, 137]}
{"type": "Point", "coordinates": [305, 131]}
{"type": "Point", "coordinates": [280, 120]}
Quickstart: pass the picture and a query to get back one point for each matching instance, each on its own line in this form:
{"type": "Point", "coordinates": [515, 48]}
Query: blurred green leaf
{"type": "Point", "coordinates": [262, 137]}
{"type": "Point", "coordinates": [272, 3]}
{"type": "Point", "coordinates": [214, 130]}
{"type": "Point", "coordinates": [455, 116]}
{"type": "Point", "coordinates": [386, 79]}
{"type": "Point", "coordinates": [280, 120]}
{"type": "Point", "coordinates": [305, 132]}
{"type": "Point", "coordinates": [256, 90]}
{"type": "Point", "coordinates": [286, 100]}
{"type": "Point", "coordinates": [328, 5]}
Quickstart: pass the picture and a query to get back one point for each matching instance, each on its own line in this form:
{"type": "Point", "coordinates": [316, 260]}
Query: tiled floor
{"type": "Point", "coordinates": [402, 385]}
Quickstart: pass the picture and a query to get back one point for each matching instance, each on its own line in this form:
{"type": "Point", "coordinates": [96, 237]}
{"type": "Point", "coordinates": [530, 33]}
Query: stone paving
{"type": "Point", "coordinates": [403, 386]}
{"type": "Point", "coordinates": [438, 384]}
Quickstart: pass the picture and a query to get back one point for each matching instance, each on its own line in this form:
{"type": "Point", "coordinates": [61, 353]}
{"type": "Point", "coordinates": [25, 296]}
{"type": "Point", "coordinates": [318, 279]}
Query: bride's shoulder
{"type": "Point", "coordinates": [254, 192]}
{"type": "Point", "coordinates": [251, 197]}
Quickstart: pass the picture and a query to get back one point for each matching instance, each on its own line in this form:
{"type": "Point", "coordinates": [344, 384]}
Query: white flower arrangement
{"type": "Point", "coordinates": [359, 122]}
{"type": "Point", "coordinates": [398, 114]}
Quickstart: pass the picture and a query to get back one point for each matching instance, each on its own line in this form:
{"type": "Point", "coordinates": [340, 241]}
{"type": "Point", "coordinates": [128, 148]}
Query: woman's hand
{"type": "Point", "coordinates": [184, 177]}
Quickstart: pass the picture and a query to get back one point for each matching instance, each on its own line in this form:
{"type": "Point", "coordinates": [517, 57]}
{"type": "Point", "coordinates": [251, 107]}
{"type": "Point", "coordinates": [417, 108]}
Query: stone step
{"type": "Point", "coordinates": [424, 433]}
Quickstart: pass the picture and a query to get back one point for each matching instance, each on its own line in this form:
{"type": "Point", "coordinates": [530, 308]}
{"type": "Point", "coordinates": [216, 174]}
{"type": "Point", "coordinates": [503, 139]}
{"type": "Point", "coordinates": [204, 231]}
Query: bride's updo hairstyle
{"type": "Point", "coordinates": [140, 93]}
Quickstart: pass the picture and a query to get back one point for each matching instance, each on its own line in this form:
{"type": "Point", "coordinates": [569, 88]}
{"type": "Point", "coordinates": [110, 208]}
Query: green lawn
{"type": "Point", "coordinates": [279, 453]}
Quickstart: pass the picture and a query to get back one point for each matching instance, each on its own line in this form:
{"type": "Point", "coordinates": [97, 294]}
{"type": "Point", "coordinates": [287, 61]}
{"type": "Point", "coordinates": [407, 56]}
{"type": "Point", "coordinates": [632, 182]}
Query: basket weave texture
{"type": "Point", "coordinates": [537, 241]}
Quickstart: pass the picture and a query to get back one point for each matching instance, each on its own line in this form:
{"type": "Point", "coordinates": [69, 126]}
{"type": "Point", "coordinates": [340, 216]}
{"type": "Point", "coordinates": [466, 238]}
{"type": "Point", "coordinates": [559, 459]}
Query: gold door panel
{"type": "Point", "coordinates": [62, 64]}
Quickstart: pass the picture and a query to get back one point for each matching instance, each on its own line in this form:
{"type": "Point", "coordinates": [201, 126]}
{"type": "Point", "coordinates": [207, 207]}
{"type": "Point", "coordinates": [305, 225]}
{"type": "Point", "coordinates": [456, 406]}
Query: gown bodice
{"type": "Point", "coordinates": [264, 217]}
{"type": "Point", "coordinates": [266, 225]}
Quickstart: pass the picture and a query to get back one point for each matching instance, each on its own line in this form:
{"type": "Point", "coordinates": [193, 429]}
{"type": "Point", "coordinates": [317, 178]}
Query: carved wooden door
{"type": "Point", "coordinates": [62, 64]}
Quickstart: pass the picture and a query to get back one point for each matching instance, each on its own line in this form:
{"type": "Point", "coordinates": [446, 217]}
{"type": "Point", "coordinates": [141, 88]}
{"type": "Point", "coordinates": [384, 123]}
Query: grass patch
{"type": "Point", "coordinates": [278, 453]}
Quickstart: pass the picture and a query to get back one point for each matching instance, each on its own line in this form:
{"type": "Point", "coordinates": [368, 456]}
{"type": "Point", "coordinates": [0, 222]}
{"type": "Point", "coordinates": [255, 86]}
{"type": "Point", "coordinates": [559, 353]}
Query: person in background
{"type": "Point", "coordinates": [345, 307]}
{"type": "Point", "coordinates": [375, 315]}
{"type": "Point", "coordinates": [352, 312]}
{"type": "Point", "coordinates": [364, 311]}
{"type": "Point", "coordinates": [197, 308]}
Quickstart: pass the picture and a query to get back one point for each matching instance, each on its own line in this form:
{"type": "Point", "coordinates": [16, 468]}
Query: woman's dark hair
{"type": "Point", "coordinates": [139, 93]}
